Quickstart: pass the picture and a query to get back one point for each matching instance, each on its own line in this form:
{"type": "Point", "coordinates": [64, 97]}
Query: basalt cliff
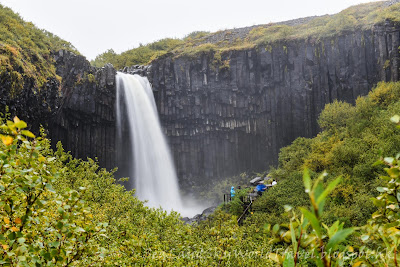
{"type": "Point", "coordinates": [221, 117]}
{"type": "Point", "coordinates": [222, 121]}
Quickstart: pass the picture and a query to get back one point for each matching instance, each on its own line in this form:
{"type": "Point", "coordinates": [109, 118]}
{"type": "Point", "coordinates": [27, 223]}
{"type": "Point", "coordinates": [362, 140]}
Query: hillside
{"type": "Point", "coordinates": [352, 139]}
{"type": "Point", "coordinates": [26, 53]}
{"type": "Point", "coordinates": [360, 17]}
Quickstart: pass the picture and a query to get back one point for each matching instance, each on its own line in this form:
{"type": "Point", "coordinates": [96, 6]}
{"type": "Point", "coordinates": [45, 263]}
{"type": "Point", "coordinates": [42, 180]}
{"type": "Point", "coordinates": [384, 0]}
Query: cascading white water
{"type": "Point", "coordinates": [152, 169]}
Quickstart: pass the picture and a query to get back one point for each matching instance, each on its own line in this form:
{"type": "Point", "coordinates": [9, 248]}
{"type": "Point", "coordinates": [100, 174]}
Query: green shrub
{"type": "Point", "coordinates": [39, 225]}
{"type": "Point", "coordinates": [353, 137]}
{"type": "Point", "coordinates": [335, 116]}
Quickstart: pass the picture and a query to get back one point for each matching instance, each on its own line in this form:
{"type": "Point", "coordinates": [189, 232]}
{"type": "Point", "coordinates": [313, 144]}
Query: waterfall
{"type": "Point", "coordinates": [151, 169]}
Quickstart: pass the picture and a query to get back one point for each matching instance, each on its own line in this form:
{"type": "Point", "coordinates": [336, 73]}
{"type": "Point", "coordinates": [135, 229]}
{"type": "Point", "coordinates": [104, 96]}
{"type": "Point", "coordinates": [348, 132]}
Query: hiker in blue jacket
{"type": "Point", "coordinates": [232, 192]}
{"type": "Point", "coordinates": [260, 188]}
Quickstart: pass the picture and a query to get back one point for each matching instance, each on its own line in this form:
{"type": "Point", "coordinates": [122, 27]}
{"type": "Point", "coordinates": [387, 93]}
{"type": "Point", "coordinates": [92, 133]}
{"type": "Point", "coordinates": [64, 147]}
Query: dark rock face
{"type": "Point", "coordinates": [85, 121]}
{"type": "Point", "coordinates": [31, 105]}
{"type": "Point", "coordinates": [222, 120]}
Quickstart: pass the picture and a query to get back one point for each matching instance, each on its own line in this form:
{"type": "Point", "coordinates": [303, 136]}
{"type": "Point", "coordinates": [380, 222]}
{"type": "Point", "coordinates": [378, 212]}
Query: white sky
{"type": "Point", "coordinates": [93, 26]}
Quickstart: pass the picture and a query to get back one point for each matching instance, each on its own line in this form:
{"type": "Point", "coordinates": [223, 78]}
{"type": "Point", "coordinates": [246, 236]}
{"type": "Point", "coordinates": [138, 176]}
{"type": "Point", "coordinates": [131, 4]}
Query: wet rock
{"type": "Point", "coordinates": [200, 217]}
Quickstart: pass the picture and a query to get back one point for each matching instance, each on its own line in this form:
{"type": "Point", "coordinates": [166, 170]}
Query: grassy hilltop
{"type": "Point", "coordinates": [360, 17]}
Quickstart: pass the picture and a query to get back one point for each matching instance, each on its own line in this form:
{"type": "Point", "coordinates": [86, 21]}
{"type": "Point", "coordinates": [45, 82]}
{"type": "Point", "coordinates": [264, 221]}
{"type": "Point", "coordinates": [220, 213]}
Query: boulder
{"type": "Point", "coordinates": [256, 180]}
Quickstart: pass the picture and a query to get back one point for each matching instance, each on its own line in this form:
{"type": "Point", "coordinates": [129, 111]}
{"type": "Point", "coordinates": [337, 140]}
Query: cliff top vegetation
{"type": "Point", "coordinates": [359, 17]}
{"type": "Point", "coordinates": [25, 51]}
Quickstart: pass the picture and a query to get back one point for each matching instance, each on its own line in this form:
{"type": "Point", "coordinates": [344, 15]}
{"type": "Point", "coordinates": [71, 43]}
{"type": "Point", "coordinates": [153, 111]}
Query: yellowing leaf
{"type": "Point", "coordinates": [393, 230]}
{"type": "Point", "coordinates": [7, 140]}
{"type": "Point", "coordinates": [19, 124]}
{"type": "Point", "coordinates": [275, 257]}
{"type": "Point", "coordinates": [5, 247]}
{"type": "Point", "coordinates": [358, 263]}
{"type": "Point", "coordinates": [14, 229]}
{"type": "Point", "coordinates": [18, 220]}
{"type": "Point", "coordinates": [6, 220]}
{"type": "Point", "coordinates": [28, 133]}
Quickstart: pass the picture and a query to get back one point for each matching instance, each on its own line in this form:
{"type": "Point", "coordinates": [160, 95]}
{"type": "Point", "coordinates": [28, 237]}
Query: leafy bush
{"type": "Point", "coordinates": [39, 225]}
{"type": "Point", "coordinates": [306, 240]}
{"type": "Point", "coordinates": [288, 191]}
{"type": "Point", "coordinates": [353, 137]}
{"type": "Point", "coordinates": [335, 116]}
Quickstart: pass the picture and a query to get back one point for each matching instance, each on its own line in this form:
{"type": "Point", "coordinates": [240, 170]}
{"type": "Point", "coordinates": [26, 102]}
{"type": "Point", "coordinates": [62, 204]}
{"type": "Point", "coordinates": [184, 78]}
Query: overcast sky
{"type": "Point", "coordinates": [95, 26]}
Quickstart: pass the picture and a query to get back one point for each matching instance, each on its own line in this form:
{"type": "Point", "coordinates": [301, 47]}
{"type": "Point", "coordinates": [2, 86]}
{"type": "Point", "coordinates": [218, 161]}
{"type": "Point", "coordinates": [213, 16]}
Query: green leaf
{"type": "Point", "coordinates": [378, 203]}
{"type": "Point", "coordinates": [381, 189]}
{"type": "Point", "coordinates": [392, 198]}
{"type": "Point", "coordinates": [21, 124]}
{"type": "Point", "coordinates": [333, 229]}
{"type": "Point", "coordinates": [307, 180]}
{"type": "Point", "coordinates": [294, 241]}
{"type": "Point", "coordinates": [267, 227]}
{"type": "Point", "coordinates": [313, 220]}
{"type": "Point", "coordinates": [393, 172]}
{"type": "Point", "coordinates": [47, 256]}
{"type": "Point", "coordinates": [275, 229]}
{"type": "Point", "coordinates": [304, 225]}
{"type": "Point", "coordinates": [54, 244]}
{"type": "Point", "coordinates": [378, 162]}
{"type": "Point", "coordinates": [27, 133]}
{"type": "Point", "coordinates": [288, 261]}
{"type": "Point", "coordinates": [53, 252]}
{"type": "Point", "coordinates": [11, 236]}
{"type": "Point", "coordinates": [318, 190]}
{"type": "Point", "coordinates": [339, 237]}
{"type": "Point", "coordinates": [329, 189]}
{"type": "Point", "coordinates": [318, 260]}
{"type": "Point", "coordinates": [317, 184]}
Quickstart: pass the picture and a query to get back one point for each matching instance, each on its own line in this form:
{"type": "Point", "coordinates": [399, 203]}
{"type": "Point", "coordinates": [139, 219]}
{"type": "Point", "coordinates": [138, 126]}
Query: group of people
{"type": "Point", "coordinates": [260, 188]}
